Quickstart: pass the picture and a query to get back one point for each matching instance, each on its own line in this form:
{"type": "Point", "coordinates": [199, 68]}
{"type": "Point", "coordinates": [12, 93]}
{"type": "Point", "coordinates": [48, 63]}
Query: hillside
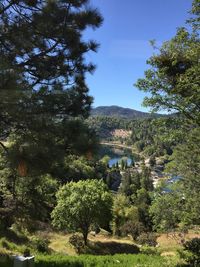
{"type": "Point", "coordinates": [120, 112]}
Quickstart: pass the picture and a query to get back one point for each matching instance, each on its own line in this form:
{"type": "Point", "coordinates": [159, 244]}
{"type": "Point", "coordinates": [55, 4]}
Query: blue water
{"type": "Point", "coordinates": [113, 161]}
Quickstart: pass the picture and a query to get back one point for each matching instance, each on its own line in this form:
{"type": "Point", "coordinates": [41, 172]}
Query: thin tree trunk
{"type": "Point", "coordinates": [85, 235]}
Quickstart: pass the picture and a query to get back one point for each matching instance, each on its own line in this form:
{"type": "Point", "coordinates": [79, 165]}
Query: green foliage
{"type": "Point", "coordinates": [122, 212]}
{"type": "Point", "coordinates": [133, 228]}
{"type": "Point", "coordinates": [185, 161]}
{"type": "Point", "coordinates": [44, 58]}
{"type": "Point", "coordinates": [44, 99]}
{"type": "Point", "coordinates": [5, 260]}
{"type": "Point", "coordinates": [191, 252]}
{"type": "Point", "coordinates": [149, 250]}
{"type": "Point", "coordinates": [101, 261]}
{"type": "Point", "coordinates": [8, 245]}
{"type": "Point", "coordinates": [173, 84]}
{"type": "Point", "coordinates": [130, 183]}
{"type": "Point", "coordinates": [149, 239]}
{"type": "Point", "coordinates": [26, 252]}
{"type": "Point", "coordinates": [41, 245]}
{"type": "Point", "coordinates": [25, 198]}
{"type": "Point", "coordinates": [166, 211]}
{"type": "Point", "coordinates": [77, 242]}
{"type": "Point", "coordinates": [74, 168]}
{"type": "Point", "coordinates": [81, 204]}
{"type": "Point", "coordinates": [42, 84]}
{"type": "Point", "coordinates": [153, 136]}
{"type": "Point", "coordinates": [4, 244]}
{"type": "Point", "coordinates": [173, 79]}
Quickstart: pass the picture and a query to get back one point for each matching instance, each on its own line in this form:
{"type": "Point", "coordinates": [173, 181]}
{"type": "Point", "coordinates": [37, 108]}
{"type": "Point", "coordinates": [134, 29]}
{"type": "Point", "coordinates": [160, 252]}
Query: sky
{"type": "Point", "coordinates": [124, 38]}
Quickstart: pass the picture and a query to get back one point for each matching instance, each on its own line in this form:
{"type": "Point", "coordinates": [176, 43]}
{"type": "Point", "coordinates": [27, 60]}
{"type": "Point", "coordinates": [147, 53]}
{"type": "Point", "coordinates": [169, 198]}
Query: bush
{"type": "Point", "coordinates": [5, 244]}
{"type": "Point", "coordinates": [77, 242]}
{"type": "Point", "coordinates": [132, 228]}
{"type": "Point", "coordinates": [191, 252]}
{"type": "Point", "coordinates": [41, 245]}
{"type": "Point", "coordinates": [149, 250]}
{"type": "Point", "coordinates": [26, 252]}
{"type": "Point", "coordinates": [149, 239]}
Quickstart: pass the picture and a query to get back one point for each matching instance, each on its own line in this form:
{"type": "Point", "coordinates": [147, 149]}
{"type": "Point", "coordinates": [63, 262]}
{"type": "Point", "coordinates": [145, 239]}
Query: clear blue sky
{"type": "Point", "coordinates": [124, 38]}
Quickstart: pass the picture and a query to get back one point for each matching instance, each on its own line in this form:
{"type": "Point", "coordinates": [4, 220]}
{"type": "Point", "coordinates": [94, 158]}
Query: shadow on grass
{"type": "Point", "coordinates": [111, 248]}
{"type": "Point", "coordinates": [14, 237]}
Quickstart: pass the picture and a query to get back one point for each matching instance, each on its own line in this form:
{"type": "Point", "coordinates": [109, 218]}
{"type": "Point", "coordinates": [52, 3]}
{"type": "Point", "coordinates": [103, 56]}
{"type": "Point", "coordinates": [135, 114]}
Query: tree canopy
{"type": "Point", "coordinates": [81, 204]}
{"type": "Point", "coordinates": [44, 98]}
{"type": "Point", "coordinates": [43, 66]}
{"type": "Point", "coordinates": [173, 78]}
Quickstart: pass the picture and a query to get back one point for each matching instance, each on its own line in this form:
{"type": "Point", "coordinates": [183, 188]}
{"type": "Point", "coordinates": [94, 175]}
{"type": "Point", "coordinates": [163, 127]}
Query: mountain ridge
{"type": "Point", "coordinates": [121, 112]}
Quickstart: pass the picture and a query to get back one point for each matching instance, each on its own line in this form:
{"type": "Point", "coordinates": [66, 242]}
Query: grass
{"type": "Point", "coordinates": [102, 250]}
{"type": "Point", "coordinates": [139, 260]}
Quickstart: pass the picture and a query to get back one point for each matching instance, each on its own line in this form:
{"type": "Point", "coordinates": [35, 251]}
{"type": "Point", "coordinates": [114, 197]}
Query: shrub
{"type": "Point", "coordinates": [191, 252]}
{"type": "Point", "coordinates": [149, 239]}
{"type": "Point", "coordinates": [5, 244]}
{"type": "Point", "coordinates": [26, 252]}
{"type": "Point", "coordinates": [77, 242]}
{"type": "Point", "coordinates": [41, 245]}
{"type": "Point", "coordinates": [132, 228]}
{"type": "Point", "coordinates": [149, 250]}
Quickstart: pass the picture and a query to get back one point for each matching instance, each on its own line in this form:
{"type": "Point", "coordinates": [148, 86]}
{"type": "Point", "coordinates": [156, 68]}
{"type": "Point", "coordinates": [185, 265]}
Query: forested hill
{"type": "Point", "coordinates": [120, 112]}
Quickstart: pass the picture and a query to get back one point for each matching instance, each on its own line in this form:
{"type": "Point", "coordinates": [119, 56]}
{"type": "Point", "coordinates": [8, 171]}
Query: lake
{"type": "Point", "coordinates": [116, 154]}
{"type": "Point", "coordinates": [112, 162]}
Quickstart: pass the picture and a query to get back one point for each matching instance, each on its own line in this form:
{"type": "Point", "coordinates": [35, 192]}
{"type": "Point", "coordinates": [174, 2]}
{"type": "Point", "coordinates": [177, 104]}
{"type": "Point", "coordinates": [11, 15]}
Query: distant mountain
{"type": "Point", "coordinates": [120, 112]}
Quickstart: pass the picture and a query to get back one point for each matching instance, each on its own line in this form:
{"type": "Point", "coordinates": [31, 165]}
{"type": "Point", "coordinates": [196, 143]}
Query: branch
{"type": "Point", "coordinates": [4, 147]}
{"type": "Point", "coordinates": [7, 7]}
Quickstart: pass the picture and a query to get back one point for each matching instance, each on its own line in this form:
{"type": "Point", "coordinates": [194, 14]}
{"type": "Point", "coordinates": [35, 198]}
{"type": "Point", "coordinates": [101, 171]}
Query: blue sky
{"type": "Point", "coordinates": [124, 45]}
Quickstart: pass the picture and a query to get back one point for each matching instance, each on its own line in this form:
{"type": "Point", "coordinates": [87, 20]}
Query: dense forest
{"type": "Point", "coordinates": [53, 180]}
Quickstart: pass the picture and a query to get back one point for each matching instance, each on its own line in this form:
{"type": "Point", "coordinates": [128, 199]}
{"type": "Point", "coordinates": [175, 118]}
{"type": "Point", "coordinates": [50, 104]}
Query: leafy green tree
{"type": "Point", "coordinates": [25, 199]}
{"type": "Point", "coordinates": [173, 79]}
{"type": "Point", "coordinates": [73, 168]}
{"type": "Point", "coordinates": [81, 204]}
{"type": "Point", "coordinates": [166, 211]}
{"type": "Point", "coordinates": [185, 162]}
{"type": "Point", "coordinates": [105, 160]}
{"type": "Point", "coordinates": [173, 82]}
{"type": "Point", "coordinates": [122, 213]}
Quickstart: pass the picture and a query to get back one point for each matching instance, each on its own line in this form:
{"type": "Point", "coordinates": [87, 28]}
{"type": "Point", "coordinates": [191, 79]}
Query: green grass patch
{"type": "Point", "coordinates": [123, 260]}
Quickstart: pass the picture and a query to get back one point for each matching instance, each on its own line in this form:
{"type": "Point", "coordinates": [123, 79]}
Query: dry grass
{"type": "Point", "coordinates": [169, 245]}
{"type": "Point", "coordinates": [59, 242]}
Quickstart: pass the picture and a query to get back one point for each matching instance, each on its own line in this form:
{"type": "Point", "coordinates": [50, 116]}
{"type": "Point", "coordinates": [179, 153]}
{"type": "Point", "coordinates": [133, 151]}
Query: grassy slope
{"type": "Point", "coordinates": [104, 261]}
{"type": "Point", "coordinates": [102, 244]}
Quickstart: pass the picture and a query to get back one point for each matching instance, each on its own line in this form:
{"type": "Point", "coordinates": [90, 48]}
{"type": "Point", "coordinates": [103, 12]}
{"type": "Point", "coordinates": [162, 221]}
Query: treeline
{"type": "Point", "coordinates": [157, 137]}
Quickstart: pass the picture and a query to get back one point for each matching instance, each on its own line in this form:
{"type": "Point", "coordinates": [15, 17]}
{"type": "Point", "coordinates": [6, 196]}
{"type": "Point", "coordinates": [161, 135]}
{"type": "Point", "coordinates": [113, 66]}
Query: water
{"type": "Point", "coordinates": [113, 161]}
{"type": "Point", "coordinates": [117, 154]}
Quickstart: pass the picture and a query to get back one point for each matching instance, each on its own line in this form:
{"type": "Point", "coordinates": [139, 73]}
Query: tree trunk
{"type": "Point", "coordinates": [85, 235]}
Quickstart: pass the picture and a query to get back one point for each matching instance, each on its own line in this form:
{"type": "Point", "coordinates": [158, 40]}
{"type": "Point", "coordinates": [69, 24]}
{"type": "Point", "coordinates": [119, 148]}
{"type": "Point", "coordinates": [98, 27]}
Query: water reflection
{"type": "Point", "coordinates": [117, 155]}
{"type": "Point", "coordinates": [115, 161]}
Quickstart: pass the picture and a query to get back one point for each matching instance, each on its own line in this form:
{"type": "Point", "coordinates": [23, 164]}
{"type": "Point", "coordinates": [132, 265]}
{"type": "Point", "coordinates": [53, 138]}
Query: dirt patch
{"type": "Point", "coordinates": [121, 133]}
